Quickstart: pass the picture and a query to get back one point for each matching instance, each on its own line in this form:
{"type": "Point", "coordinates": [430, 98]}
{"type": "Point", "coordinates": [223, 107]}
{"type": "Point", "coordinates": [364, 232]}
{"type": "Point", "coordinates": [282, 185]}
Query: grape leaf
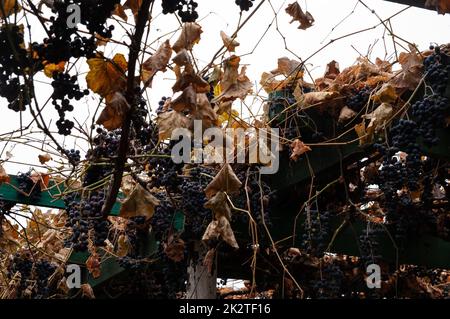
{"type": "Point", "coordinates": [287, 67]}
{"type": "Point", "coordinates": [190, 35]}
{"type": "Point", "coordinates": [120, 12]}
{"type": "Point", "coordinates": [305, 18]}
{"type": "Point", "coordinates": [168, 121]}
{"type": "Point", "coordinates": [4, 177]}
{"type": "Point", "coordinates": [157, 62]}
{"type": "Point", "coordinates": [298, 148]}
{"type": "Point", "coordinates": [346, 114]}
{"type": "Point", "coordinates": [186, 101]}
{"type": "Point", "coordinates": [234, 84]}
{"type": "Point", "coordinates": [9, 7]}
{"type": "Point", "coordinates": [134, 6]}
{"type": "Point", "coordinates": [174, 249]}
{"type": "Point", "coordinates": [189, 77]}
{"type": "Point", "coordinates": [412, 70]}
{"type": "Point", "coordinates": [219, 205]}
{"type": "Point", "coordinates": [386, 94]}
{"type": "Point", "coordinates": [44, 158]}
{"type": "Point", "coordinates": [229, 42]}
{"type": "Point", "coordinates": [379, 116]}
{"type": "Point", "coordinates": [87, 291]}
{"type": "Point", "coordinates": [114, 113]}
{"type": "Point", "coordinates": [93, 265]}
{"type": "Point", "coordinates": [139, 203]}
{"type": "Point", "coordinates": [204, 111]}
{"type": "Point", "coordinates": [106, 77]}
{"type": "Point", "coordinates": [52, 67]}
{"type": "Point", "coordinates": [332, 70]}
{"type": "Point", "coordinates": [225, 181]}
{"type": "Point", "coordinates": [220, 228]}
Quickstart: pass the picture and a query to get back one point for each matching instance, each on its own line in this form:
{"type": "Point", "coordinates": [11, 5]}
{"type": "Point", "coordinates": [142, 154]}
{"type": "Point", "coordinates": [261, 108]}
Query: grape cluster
{"type": "Point", "coordinates": [163, 217]}
{"type": "Point", "coordinates": [316, 232]}
{"type": "Point", "coordinates": [331, 283]}
{"type": "Point", "coordinates": [23, 264]}
{"type": "Point", "coordinates": [164, 171]}
{"type": "Point", "coordinates": [74, 156]}
{"type": "Point", "coordinates": [430, 115]}
{"type": "Point", "coordinates": [14, 59]}
{"type": "Point", "coordinates": [359, 99]}
{"type": "Point", "coordinates": [186, 9]}
{"type": "Point", "coordinates": [193, 200]}
{"type": "Point", "coordinates": [64, 42]}
{"type": "Point", "coordinates": [369, 246]}
{"type": "Point", "coordinates": [437, 69]}
{"type": "Point", "coordinates": [65, 88]}
{"type": "Point", "coordinates": [245, 5]}
{"type": "Point", "coordinates": [26, 184]}
{"type": "Point", "coordinates": [43, 270]}
{"type": "Point", "coordinates": [86, 221]}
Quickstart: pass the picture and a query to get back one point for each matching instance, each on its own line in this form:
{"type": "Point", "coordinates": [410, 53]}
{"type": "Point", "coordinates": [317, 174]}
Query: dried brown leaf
{"type": "Point", "coordinates": [175, 249]}
{"type": "Point", "coordinates": [157, 62]}
{"type": "Point", "coordinates": [220, 228]}
{"type": "Point", "coordinates": [305, 18]}
{"type": "Point", "coordinates": [87, 291]}
{"type": "Point", "coordinates": [225, 181]}
{"type": "Point", "coordinates": [219, 205]}
{"type": "Point", "coordinates": [140, 203]}
{"type": "Point", "coordinates": [113, 114]}
{"type": "Point", "coordinates": [298, 149]}
{"type": "Point", "coordinates": [4, 177]}
{"type": "Point", "coordinates": [93, 265]}
{"type": "Point", "coordinates": [190, 35]}
{"type": "Point", "coordinates": [229, 42]}
{"type": "Point", "coordinates": [169, 121]}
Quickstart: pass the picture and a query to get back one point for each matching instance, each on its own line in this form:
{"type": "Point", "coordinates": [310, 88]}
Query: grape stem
{"type": "Point", "coordinates": [142, 19]}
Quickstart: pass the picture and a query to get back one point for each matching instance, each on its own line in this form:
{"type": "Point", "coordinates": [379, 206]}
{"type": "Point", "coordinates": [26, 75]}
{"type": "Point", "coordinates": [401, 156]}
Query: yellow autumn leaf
{"type": "Point", "coordinates": [52, 67]}
{"type": "Point", "coordinates": [9, 7]}
{"type": "Point", "coordinates": [107, 76]}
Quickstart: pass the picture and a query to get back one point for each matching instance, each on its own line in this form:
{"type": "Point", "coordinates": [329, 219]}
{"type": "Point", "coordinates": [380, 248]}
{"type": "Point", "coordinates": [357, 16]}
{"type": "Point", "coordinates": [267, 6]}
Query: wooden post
{"type": "Point", "coordinates": [201, 284]}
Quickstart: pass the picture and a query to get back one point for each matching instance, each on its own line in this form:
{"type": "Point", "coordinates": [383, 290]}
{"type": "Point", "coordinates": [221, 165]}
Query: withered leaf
{"type": "Point", "coordinates": [134, 6]}
{"type": "Point", "coordinates": [106, 77]}
{"type": "Point", "coordinates": [4, 177]}
{"type": "Point", "coordinates": [315, 98]}
{"type": "Point", "coordinates": [220, 228]}
{"type": "Point", "coordinates": [189, 77]}
{"type": "Point", "coordinates": [93, 265]}
{"type": "Point", "coordinates": [114, 113]}
{"type": "Point", "coordinates": [182, 58]}
{"type": "Point", "coordinates": [157, 62]}
{"type": "Point", "coordinates": [229, 42]}
{"type": "Point", "coordinates": [412, 70]}
{"type": "Point", "coordinates": [219, 205]}
{"type": "Point", "coordinates": [298, 148]}
{"type": "Point", "coordinates": [305, 18]}
{"type": "Point", "coordinates": [208, 261]}
{"type": "Point", "coordinates": [169, 121]}
{"type": "Point", "coordinates": [346, 114]}
{"type": "Point", "coordinates": [379, 116]}
{"type": "Point", "coordinates": [190, 35]}
{"type": "Point", "coordinates": [287, 67]}
{"type": "Point", "coordinates": [225, 181]}
{"type": "Point", "coordinates": [140, 203]}
{"type": "Point", "coordinates": [87, 291]}
{"type": "Point", "coordinates": [175, 249]}
{"type": "Point", "coordinates": [186, 101]}
{"type": "Point", "coordinates": [234, 85]}
{"type": "Point", "coordinates": [9, 7]}
{"type": "Point", "coordinates": [332, 70]}
{"type": "Point", "coordinates": [365, 135]}
{"type": "Point", "coordinates": [442, 6]}
{"type": "Point", "coordinates": [204, 111]}
{"type": "Point", "coordinates": [44, 158]}
{"type": "Point", "coordinates": [123, 246]}
{"type": "Point", "coordinates": [120, 12]}
{"type": "Point", "coordinates": [386, 94]}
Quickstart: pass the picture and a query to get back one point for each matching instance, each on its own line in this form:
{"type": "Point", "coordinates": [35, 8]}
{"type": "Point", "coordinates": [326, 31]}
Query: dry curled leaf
{"type": "Point", "coordinates": [314, 98]}
{"type": "Point", "coordinates": [50, 68]}
{"type": "Point", "coordinates": [106, 77]}
{"type": "Point", "coordinates": [346, 114]}
{"type": "Point", "coordinates": [220, 229]}
{"type": "Point", "coordinates": [120, 12]}
{"type": "Point", "coordinates": [169, 121]}
{"type": "Point", "coordinates": [123, 246]}
{"type": "Point", "coordinates": [186, 101]}
{"type": "Point", "coordinates": [226, 181]}
{"type": "Point", "coordinates": [234, 84]}
{"type": "Point", "coordinates": [332, 70]}
{"type": "Point", "coordinates": [412, 70]}
{"type": "Point", "coordinates": [365, 135]}
{"type": "Point", "coordinates": [134, 6]}
{"type": "Point", "coordinates": [87, 291]}
{"type": "Point", "coordinates": [386, 94]}
{"type": "Point", "coordinates": [44, 158]}
{"type": "Point", "coordinates": [287, 67]}
{"type": "Point", "coordinates": [9, 7]}
{"type": "Point", "coordinates": [114, 113]}
{"type": "Point", "coordinates": [204, 111]}
{"type": "Point", "coordinates": [305, 18]}
{"type": "Point", "coordinates": [182, 58]}
{"type": "Point", "coordinates": [190, 35]}
{"type": "Point", "coordinates": [219, 205]}
{"type": "Point", "coordinates": [189, 77]}
{"type": "Point", "coordinates": [93, 265]}
{"type": "Point", "coordinates": [379, 116]}
{"type": "Point", "coordinates": [298, 148]}
{"type": "Point", "coordinates": [228, 42]}
{"type": "Point", "coordinates": [157, 62]}
{"type": "Point", "coordinates": [140, 203]}
{"type": "Point", "coordinates": [441, 6]}
{"type": "Point", "coordinates": [4, 177]}
{"type": "Point", "coordinates": [175, 249]}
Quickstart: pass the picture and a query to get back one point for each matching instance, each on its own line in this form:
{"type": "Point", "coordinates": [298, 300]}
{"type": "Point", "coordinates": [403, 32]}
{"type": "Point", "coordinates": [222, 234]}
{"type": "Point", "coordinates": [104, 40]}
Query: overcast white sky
{"type": "Point", "coordinates": [419, 26]}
